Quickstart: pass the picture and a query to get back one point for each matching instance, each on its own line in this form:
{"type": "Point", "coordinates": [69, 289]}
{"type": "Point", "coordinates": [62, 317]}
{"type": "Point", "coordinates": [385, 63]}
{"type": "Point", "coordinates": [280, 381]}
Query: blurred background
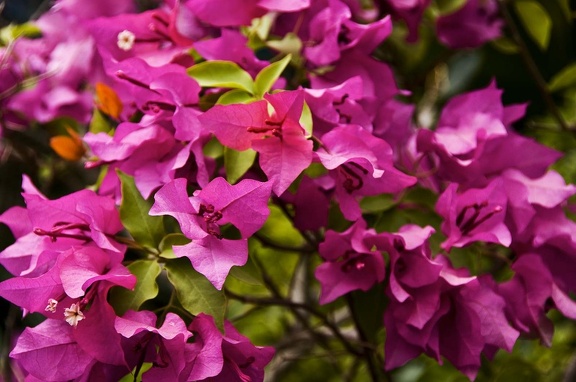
{"type": "Point", "coordinates": [19, 11]}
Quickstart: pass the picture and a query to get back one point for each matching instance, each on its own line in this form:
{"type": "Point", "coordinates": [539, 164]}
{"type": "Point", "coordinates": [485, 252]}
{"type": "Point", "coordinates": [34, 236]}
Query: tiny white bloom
{"type": "Point", "coordinates": [51, 307]}
{"type": "Point", "coordinates": [73, 314]}
{"type": "Point", "coordinates": [126, 40]}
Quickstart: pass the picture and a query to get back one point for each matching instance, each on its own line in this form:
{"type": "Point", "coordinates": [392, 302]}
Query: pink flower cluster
{"type": "Point", "coordinates": [494, 187]}
{"type": "Point", "coordinates": [66, 259]}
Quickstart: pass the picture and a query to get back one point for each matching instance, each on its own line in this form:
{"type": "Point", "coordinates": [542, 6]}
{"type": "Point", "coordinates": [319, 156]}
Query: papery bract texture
{"type": "Point", "coordinates": [278, 136]}
{"type": "Point", "coordinates": [244, 205]}
{"type": "Point", "coordinates": [351, 264]}
{"type": "Point", "coordinates": [50, 353]}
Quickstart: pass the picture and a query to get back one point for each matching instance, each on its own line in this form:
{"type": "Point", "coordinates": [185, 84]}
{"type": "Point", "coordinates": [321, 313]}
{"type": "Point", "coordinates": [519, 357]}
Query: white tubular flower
{"type": "Point", "coordinates": [73, 314]}
{"type": "Point", "coordinates": [126, 40]}
{"type": "Point", "coordinates": [52, 304]}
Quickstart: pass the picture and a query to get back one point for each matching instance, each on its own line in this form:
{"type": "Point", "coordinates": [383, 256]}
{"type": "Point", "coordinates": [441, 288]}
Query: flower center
{"type": "Point", "coordinates": [211, 216]}
{"type": "Point", "coordinates": [352, 261]}
{"type": "Point", "coordinates": [52, 304]}
{"type": "Point", "coordinates": [73, 315]}
{"type": "Point", "coordinates": [343, 38]}
{"type": "Point", "coordinates": [468, 221]}
{"type": "Point", "coordinates": [352, 180]}
{"type": "Point", "coordinates": [157, 106]}
{"type": "Point", "coordinates": [356, 263]}
{"type": "Point", "coordinates": [273, 127]}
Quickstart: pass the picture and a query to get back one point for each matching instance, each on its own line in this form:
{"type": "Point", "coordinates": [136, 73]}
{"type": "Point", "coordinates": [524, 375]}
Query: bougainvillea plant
{"type": "Point", "coordinates": [217, 190]}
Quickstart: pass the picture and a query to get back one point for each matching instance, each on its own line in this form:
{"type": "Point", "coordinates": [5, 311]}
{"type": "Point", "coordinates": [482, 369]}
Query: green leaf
{"type": "Point", "coordinates": [99, 123]}
{"type": "Point", "coordinates": [213, 149]}
{"type": "Point", "coordinates": [268, 76]}
{"type": "Point", "coordinates": [237, 163]}
{"type": "Point", "coordinates": [169, 241]}
{"type": "Point", "coordinates": [565, 6]}
{"type": "Point", "coordinates": [449, 6]}
{"type": "Point", "coordinates": [564, 78]}
{"type": "Point", "coordinates": [241, 275]}
{"type": "Point", "coordinates": [261, 26]}
{"type": "Point", "coordinates": [265, 325]}
{"type": "Point", "coordinates": [235, 96]}
{"type": "Point", "coordinates": [566, 166]}
{"type": "Point", "coordinates": [195, 293]}
{"type": "Point", "coordinates": [14, 31]}
{"type": "Point", "coordinates": [147, 230]}
{"type": "Point", "coordinates": [308, 367]}
{"type": "Point", "coordinates": [517, 370]}
{"type": "Point", "coordinates": [130, 376]}
{"type": "Point", "coordinates": [280, 267]}
{"type": "Point", "coordinates": [222, 74]}
{"type": "Point", "coordinates": [418, 208]}
{"type": "Point", "coordinates": [278, 228]}
{"type": "Point", "coordinates": [536, 21]}
{"type": "Point", "coordinates": [146, 288]}
{"type": "Point", "coordinates": [505, 45]}
{"type": "Point", "coordinates": [378, 203]}
{"type": "Point", "coordinates": [435, 372]}
{"type": "Point", "coordinates": [290, 44]}
{"type": "Point", "coordinates": [29, 30]}
{"type": "Point", "coordinates": [249, 276]}
{"type": "Point", "coordinates": [315, 170]}
{"type": "Point", "coordinates": [306, 120]}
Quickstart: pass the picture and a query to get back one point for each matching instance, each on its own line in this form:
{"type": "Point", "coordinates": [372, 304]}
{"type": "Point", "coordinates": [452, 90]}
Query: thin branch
{"type": "Point", "coordinates": [132, 244]}
{"type": "Point", "coordinates": [171, 306]}
{"type": "Point", "coordinates": [168, 306]}
{"type": "Point", "coordinates": [274, 301]}
{"type": "Point", "coordinates": [294, 308]}
{"type": "Point", "coordinates": [531, 65]}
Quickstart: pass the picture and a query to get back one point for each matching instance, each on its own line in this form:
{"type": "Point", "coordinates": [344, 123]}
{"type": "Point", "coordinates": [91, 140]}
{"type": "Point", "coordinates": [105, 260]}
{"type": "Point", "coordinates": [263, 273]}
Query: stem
{"type": "Point", "coordinates": [366, 349]}
{"type": "Point", "coordinates": [140, 361]}
{"type": "Point", "coordinates": [531, 65]}
{"type": "Point", "coordinates": [279, 300]}
{"type": "Point", "coordinates": [319, 142]}
{"type": "Point", "coordinates": [167, 307]}
{"type": "Point", "coordinates": [131, 244]}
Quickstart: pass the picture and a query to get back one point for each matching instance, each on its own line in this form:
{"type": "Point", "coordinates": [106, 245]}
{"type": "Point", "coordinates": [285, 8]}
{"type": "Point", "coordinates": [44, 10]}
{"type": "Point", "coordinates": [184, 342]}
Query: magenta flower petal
{"type": "Point", "coordinates": [351, 263]}
{"type": "Point", "coordinates": [207, 346]}
{"type": "Point", "coordinates": [214, 257]}
{"type": "Point", "coordinates": [49, 352]}
{"type": "Point", "coordinates": [245, 203]}
{"type": "Point", "coordinates": [278, 137]}
{"type": "Point", "coordinates": [474, 215]}
{"type": "Point", "coordinates": [172, 199]}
